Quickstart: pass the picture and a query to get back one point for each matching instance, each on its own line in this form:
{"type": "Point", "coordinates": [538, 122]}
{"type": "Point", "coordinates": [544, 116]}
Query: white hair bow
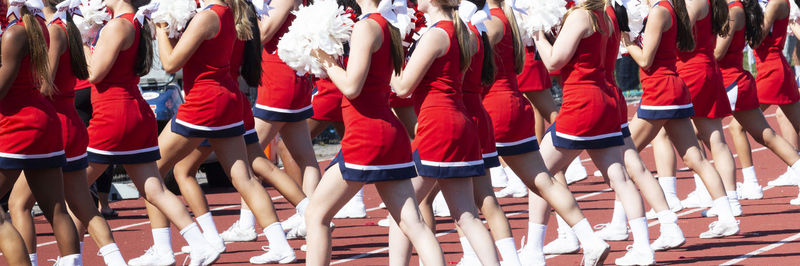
{"type": "Point", "coordinates": [262, 7]}
{"type": "Point", "coordinates": [396, 13]}
{"type": "Point", "coordinates": [146, 11]}
{"type": "Point", "coordinates": [514, 6]}
{"type": "Point", "coordinates": [66, 8]}
{"type": "Point", "coordinates": [34, 6]}
{"type": "Point", "coordinates": [468, 12]}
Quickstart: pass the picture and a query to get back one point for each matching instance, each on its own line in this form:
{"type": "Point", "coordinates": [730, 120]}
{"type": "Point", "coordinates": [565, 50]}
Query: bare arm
{"type": "Point", "coordinates": [364, 41]}
{"type": "Point", "coordinates": [117, 34]}
{"type": "Point", "coordinates": [58, 45]}
{"type": "Point", "coordinates": [576, 27]}
{"type": "Point", "coordinates": [14, 48]}
{"type": "Point", "coordinates": [737, 22]}
{"type": "Point", "coordinates": [432, 45]}
{"type": "Point", "coordinates": [658, 21]}
{"type": "Point", "coordinates": [775, 10]}
{"type": "Point", "coordinates": [269, 25]}
{"type": "Point", "coordinates": [203, 26]}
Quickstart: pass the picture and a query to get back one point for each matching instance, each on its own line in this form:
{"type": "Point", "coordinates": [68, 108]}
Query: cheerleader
{"type": "Point", "coordinates": [284, 99]}
{"type": "Point", "coordinates": [30, 138]}
{"type": "Point", "coordinates": [385, 161]}
{"type": "Point", "coordinates": [666, 101]}
{"type": "Point", "coordinates": [774, 77]}
{"type": "Point", "coordinates": [67, 65]}
{"type": "Point", "coordinates": [133, 144]}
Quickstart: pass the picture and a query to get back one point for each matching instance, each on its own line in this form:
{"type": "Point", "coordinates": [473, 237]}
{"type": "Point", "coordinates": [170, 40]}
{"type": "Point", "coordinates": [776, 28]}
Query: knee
{"type": "Point", "coordinates": [766, 136]}
{"type": "Point", "coordinates": [18, 206]}
{"type": "Point", "coordinates": [693, 159]}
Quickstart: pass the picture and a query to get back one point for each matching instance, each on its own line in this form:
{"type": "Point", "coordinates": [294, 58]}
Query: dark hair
{"type": "Point", "coordinates": [685, 35]}
{"type": "Point", "coordinates": [489, 69]}
{"type": "Point", "coordinates": [719, 22]}
{"type": "Point", "coordinates": [144, 53]}
{"type": "Point", "coordinates": [37, 50]}
{"type": "Point", "coordinates": [622, 17]}
{"type": "Point", "coordinates": [251, 55]}
{"type": "Point", "coordinates": [754, 19]}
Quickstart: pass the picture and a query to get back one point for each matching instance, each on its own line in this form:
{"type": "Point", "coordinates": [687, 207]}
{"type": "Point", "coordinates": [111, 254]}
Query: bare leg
{"type": "Point", "coordinates": [82, 206]}
{"type": "Point", "coordinates": [20, 203]}
{"type": "Point", "coordinates": [789, 126]}
{"type": "Point", "coordinates": [739, 137]}
{"type": "Point", "coordinates": [11, 243]}
{"type": "Point", "coordinates": [185, 172]}
{"type": "Point", "coordinates": [710, 132]}
{"type": "Point", "coordinates": [662, 149]}
{"type": "Point", "coordinates": [264, 169]}
{"type": "Point", "coordinates": [686, 143]}
{"type": "Point", "coordinates": [408, 117]}
{"type": "Point", "coordinates": [42, 183]}
{"type": "Point", "coordinates": [753, 121]}
{"type": "Point", "coordinates": [651, 190]}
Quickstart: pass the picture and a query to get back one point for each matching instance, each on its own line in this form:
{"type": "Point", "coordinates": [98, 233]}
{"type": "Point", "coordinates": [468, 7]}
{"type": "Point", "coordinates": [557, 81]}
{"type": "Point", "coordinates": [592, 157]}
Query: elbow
{"type": "Point", "coordinates": [403, 93]}
{"type": "Point", "coordinates": [645, 64]}
{"type": "Point", "coordinates": [170, 69]}
{"type": "Point", "coordinates": [94, 79]}
{"type": "Point", "coordinates": [351, 94]}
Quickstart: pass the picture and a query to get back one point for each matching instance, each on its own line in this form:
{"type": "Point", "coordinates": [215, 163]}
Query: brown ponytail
{"type": "Point", "coordinates": [251, 55]}
{"type": "Point", "coordinates": [398, 52]}
{"type": "Point", "coordinates": [241, 18]}
{"type": "Point", "coordinates": [489, 69]}
{"type": "Point", "coordinates": [590, 5]}
{"type": "Point", "coordinates": [719, 22]}
{"type": "Point", "coordinates": [519, 48]}
{"type": "Point", "coordinates": [75, 45]}
{"type": "Point", "coordinates": [144, 53]}
{"type": "Point", "coordinates": [753, 21]}
{"type": "Point", "coordinates": [685, 36]}
{"type": "Point", "coordinates": [37, 49]}
{"type": "Point", "coordinates": [466, 42]}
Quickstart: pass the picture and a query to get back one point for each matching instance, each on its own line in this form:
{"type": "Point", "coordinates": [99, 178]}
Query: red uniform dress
{"type": "Point", "coordinates": [73, 131]}
{"type": "Point", "coordinates": [740, 84]}
{"type": "Point", "coordinates": [774, 77]}
{"type": "Point", "coordinates": [612, 49]}
{"type": "Point", "coordinates": [327, 101]}
{"type": "Point", "coordinates": [375, 146]}
{"type": "Point", "coordinates": [700, 72]}
{"type": "Point", "coordinates": [447, 142]}
{"type": "Point", "coordinates": [123, 128]}
{"type": "Point", "coordinates": [664, 95]}
{"type": "Point", "coordinates": [512, 114]}
{"type": "Point", "coordinates": [282, 95]}
{"type": "Point", "coordinates": [588, 101]}
{"type": "Point", "coordinates": [473, 101]}
{"type": "Point", "coordinates": [534, 76]}
{"type": "Point", "coordinates": [30, 132]}
{"type": "Point", "coordinates": [211, 92]}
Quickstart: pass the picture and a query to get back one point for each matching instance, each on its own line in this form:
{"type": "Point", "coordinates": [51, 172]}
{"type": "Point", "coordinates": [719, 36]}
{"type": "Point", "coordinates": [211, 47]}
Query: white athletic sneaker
{"type": "Point", "coordinates": [385, 222]}
{"type": "Point", "coordinates": [749, 191]}
{"type": "Point", "coordinates": [382, 205]}
{"type": "Point", "coordinates": [696, 199]}
{"type": "Point", "coordinates": [204, 256]}
{"type": "Point", "coordinates": [712, 212]}
{"type": "Point", "coordinates": [529, 256]}
{"type": "Point", "coordinates": [273, 257]}
{"type": "Point", "coordinates": [298, 232]}
{"type": "Point", "coordinates": [795, 201]}
{"type": "Point", "coordinates": [611, 232]}
{"type": "Point", "coordinates": [154, 257]}
{"type": "Point", "coordinates": [513, 191]}
{"type": "Point", "coordinates": [595, 254]}
{"type": "Point", "coordinates": [217, 245]}
{"type": "Point", "coordinates": [439, 205]}
{"type": "Point", "coordinates": [294, 221]}
{"type": "Point", "coordinates": [239, 233]}
{"type": "Point", "coordinates": [352, 209]}
{"type": "Point", "coordinates": [499, 177]}
{"type": "Point", "coordinates": [637, 256]}
{"type": "Point", "coordinates": [786, 179]}
{"type": "Point", "coordinates": [469, 261]}
{"type": "Point", "coordinates": [72, 261]}
{"type": "Point", "coordinates": [671, 237]}
{"type": "Point", "coordinates": [575, 171]}
{"type": "Point", "coordinates": [717, 229]}
{"type": "Point", "coordinates": [566, 243]}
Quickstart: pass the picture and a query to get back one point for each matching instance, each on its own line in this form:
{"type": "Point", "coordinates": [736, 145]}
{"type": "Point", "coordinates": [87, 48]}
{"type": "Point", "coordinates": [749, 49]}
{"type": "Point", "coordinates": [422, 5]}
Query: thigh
{"type": "Point", "coordinates": [7, 179]}
{"type": "Point", "coordinates": [174, 147]}
{"type": "Point", "coordinates": [556, 159]}
{"type": "Point", "coordinates": [643, 131]}
{"type": "Point", "coordinates": [267, 130]}
{"type": "Point", "coordinates": [315, 127]}
{"type": "Point", "coordinates": [708, 129]}
{"type": "Point", "coordinates": [297, 139]}
{"type": "Point", "coordinates": [543, 102]}
{"type": "Point", "coordinates": [332, 193]}
{"type": "Point", "coordinates": [679, 131]}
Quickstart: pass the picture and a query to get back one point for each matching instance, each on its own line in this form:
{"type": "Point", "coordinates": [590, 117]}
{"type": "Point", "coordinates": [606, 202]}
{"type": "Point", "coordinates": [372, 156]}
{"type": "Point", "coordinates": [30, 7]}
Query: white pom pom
{"type": "Point", "coordinates": [323, 25]}
{"type": "Point", "coordinates": [543, 15]}
{"type": "Point", "coordinates": [637, 12]}
{"type": "Point", "coordinates": [176, 14]}
{"type": "Point", "coordinates": [94, 16]}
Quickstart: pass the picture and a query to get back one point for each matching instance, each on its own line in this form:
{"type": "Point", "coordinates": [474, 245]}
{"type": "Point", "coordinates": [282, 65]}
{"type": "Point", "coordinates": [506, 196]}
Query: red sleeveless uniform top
{"type": "Point", "coordinates": [123, 69]}
{"type": "Point", "coordinates": [734, 56]}
{"type": "Point", "coordinates": [64, 79]}
{"type": "Point", "coordinates": [775, 39]}
{"type": "Point", "coordinates": [705, 42]}
{"type": "Point", "coordinates": [374, 96]}
{"type": "Point", "coordinates": [25, 84]}
{"type": "Point", "coordinates": [237, 56]}
{"type": "Point", "coordinates": [667, 53]}
{"type": "Point", "coordinates": [441, 85]}
{"type": "Point", "coordinates": [506, 78]}
{"type": "Point", "coordinates": [472, 79]}
{"type": "Point", "coordinates": [206, 67]}
{"type": "Point", "coordinates": [587, 66]}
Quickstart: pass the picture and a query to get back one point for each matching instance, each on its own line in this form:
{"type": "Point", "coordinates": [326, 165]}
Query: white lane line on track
{"type": "Point", "coordinates": [762, 250]}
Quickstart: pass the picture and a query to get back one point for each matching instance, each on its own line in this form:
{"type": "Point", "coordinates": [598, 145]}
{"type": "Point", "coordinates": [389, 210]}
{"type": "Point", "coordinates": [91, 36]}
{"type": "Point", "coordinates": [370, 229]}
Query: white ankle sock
{"type": "Point", "coordinates": [34, 259]}
{"type": "Point", "coordinates": [723, 207]}
{"type": "Point", "coordinates": [796, 169]}
{"type": "Point", "coordinates": [508, 250]}
{"type": "Point", "coordinates": [641, 237]}
{"type": "Point", "coordinates": [699, 186]}
{"type": "Point", "coordinates": [206, 222]}
{"type": "Point", "coordinates": [618, 217]}
{"type": "Point", "coordinates": [246, 218]}
{"type": "Point", "coordinates": [668, 184]}
{"type": "Point", "coordinates": [276, 237]}
{"type": "Point", "coordinates": [469, 252]}
{"type": "Point", "coordinates": [194, 237]}
{"type": "Point", "coordinates": [667, 217]}
{"type": "Point", "coordinates": [112, 255]}
{"type": "Point", "coordinates": [536, 234]}
{"type": "Point", "coordinates": [162, 238]}
{"type": "Point", "coordinates": [300, 208]}
{"type": "Point", "coordinates": [562, 224]}
{"type": "Point", "coordinates": [583, 230]}
{"type": "Point", "coordinates": [71, 259]}
{"type": "Point", "coordinates": [513, 179]}
{"type": "Point", "coordinates": [733, 198]}
{"type": "Point", "coordinates": [749, 174]}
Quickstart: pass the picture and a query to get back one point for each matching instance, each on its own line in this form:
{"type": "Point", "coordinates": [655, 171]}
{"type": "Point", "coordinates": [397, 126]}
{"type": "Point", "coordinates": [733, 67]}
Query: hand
{"type": "Point", "coordinates": [625, 37]}
{"type": "Point", "coordinates": [324, 58]}
{"type": "Point", "coordinates": [161, 26]}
